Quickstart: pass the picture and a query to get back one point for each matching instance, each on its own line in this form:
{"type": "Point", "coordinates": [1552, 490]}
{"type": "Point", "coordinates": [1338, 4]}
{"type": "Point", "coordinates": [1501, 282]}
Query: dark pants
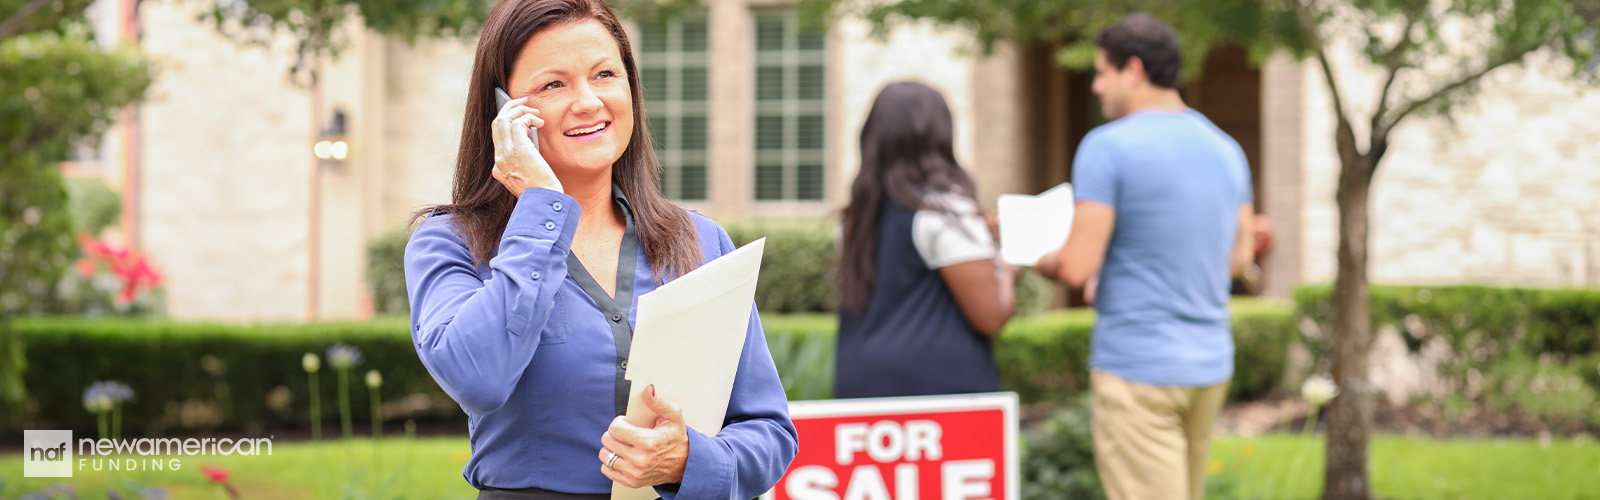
{"type": "Point", "coordinates": [537, 494]}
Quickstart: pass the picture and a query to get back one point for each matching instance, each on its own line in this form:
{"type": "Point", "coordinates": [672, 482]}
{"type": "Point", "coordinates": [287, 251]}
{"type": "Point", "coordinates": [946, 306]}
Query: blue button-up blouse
{"type": "Point", "coordinates": [529, 346]}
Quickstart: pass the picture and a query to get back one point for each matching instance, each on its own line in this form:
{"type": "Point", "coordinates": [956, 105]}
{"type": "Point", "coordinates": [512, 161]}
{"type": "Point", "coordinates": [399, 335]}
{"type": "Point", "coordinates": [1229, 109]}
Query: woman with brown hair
{"type": "Point", "coordinates": [923, 290]}
{"type": "Point", "coordinates": [523, 289]}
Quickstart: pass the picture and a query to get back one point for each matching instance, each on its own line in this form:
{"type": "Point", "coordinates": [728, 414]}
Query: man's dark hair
{"type": "Point", "coordinates": [1147, 38]}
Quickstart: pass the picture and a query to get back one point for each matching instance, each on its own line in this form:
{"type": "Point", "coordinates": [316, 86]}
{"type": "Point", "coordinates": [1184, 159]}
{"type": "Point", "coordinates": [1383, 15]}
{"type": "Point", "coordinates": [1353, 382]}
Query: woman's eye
{"type": "Point", "coordinates": [607, 74]}
{"type": "Point", "coordinates": [551, 86]}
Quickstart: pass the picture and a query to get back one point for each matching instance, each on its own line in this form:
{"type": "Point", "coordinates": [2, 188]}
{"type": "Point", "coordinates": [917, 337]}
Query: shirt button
{"type": "Point", "coordinates": [550, 225]}
{"type": "Point", "coordinates": [536, 275]}
{"type": "Point", "coordinates": [615, 317]}
{"type": "Point", "coordinates": [556, 206]}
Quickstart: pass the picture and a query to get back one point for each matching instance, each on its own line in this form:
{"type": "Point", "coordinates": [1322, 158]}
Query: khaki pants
{"type": "Point", "coordinates": [1150, 442]}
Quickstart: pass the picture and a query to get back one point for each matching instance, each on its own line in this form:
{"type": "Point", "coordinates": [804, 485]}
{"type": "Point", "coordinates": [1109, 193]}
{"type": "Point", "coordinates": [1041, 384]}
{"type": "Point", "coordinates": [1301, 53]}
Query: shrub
{"type": "Point", "coordinates": [1058, 456]}
{"type": "Point", "coordinates": [163, 362]}
{"type": "Point", "coordinates": [1479, 324]}
{"type": "Point", "coordinates": [797, 268]}
{"type": "Point", "coordinates": [1046, 357]}
{"type": "Point", "coordinates": [248, 377]}
{"type": "Point", "coordinates": [1499, 341]}
{"type": "Point", "coordinates": [386, 273]}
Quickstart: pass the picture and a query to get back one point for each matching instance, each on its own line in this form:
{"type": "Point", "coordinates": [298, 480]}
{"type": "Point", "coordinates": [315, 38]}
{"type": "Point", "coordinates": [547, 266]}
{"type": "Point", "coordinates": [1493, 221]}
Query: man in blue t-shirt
{"type": "Point", "coordinates": [1162, 218]}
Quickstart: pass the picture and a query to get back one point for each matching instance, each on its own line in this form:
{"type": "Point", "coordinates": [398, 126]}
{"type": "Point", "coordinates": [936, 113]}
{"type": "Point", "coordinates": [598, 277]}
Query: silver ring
{"type": "Point", "coordinates": [610, 462]}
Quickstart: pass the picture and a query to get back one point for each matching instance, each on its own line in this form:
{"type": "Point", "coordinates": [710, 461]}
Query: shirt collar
{"type": "Point", "coordinates": [619, 198]}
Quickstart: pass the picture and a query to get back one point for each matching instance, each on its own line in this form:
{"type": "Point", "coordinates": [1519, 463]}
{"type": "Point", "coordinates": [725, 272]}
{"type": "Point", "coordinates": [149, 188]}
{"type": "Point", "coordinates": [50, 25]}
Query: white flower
{"type": "Point", "coordinates": [374, 380]}
{"type": "Point", "coordinates": [1318, 390]}
{"type": "Point", "coordinates": [343, 356]}
{"type": "Point", "coordinates": [213, 365]}
{"type": "Point", "coordinates": [311, 363]}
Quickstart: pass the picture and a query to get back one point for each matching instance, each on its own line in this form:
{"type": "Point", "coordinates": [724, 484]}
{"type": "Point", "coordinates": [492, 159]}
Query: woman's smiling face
{"type": "Point", "coordinates": [573, 74]}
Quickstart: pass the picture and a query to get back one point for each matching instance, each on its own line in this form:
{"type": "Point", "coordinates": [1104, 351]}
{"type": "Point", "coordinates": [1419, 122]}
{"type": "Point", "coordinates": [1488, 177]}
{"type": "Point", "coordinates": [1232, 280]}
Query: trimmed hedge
{"type": "Point", "coordinates": [1481, 326]}
{"type": "Point", "coordinates": [161, 361]}
{"type": "Point", "coordinates": [1565, 323]}
{"type": "Point", "coordinates": [1044, 358]}
{"type": "Point", "coordinates": [797, 271]}
{"type": "Point", "coordinates": [386, 272]}
{"type": "Point", "coordinates": [797, 267]}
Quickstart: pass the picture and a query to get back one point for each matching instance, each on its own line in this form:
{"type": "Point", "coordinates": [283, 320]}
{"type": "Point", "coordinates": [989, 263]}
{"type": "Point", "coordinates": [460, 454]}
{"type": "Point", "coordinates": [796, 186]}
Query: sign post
{"type": "Point", "coordinates": [958, 447]}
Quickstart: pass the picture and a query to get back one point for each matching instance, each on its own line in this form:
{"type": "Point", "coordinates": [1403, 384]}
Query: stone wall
{"type": "Point", "coordinates": [225, 145]}
{"type": "Point", "coordinates": [1502, 194]}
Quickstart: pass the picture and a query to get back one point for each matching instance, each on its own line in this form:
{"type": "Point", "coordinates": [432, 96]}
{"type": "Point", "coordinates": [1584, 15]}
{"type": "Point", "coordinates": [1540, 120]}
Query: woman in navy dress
{"type": "Point", "coordinates": [922, 289]}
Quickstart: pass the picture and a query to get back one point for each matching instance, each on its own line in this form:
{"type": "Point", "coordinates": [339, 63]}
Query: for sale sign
{"type": "Point", "coordinates": [933, 447]}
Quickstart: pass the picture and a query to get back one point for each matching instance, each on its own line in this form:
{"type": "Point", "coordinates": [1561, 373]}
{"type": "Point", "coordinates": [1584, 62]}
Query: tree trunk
{"type": "Point", "coordinates": [1350, 414]}
{"type": "Point", "coordinates": [13, 394]}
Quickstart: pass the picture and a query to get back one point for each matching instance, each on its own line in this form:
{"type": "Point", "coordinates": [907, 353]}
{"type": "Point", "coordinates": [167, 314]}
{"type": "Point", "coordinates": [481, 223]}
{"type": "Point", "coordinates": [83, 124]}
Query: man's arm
{"type": "Point", "coordinates": [1080, 259]}
{"type": "Point", "coordinates": [1244, 247]}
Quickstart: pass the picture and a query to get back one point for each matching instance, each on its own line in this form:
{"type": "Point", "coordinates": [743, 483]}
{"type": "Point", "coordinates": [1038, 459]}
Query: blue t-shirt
{"type": "Point", "coordinates": [1176, 182]}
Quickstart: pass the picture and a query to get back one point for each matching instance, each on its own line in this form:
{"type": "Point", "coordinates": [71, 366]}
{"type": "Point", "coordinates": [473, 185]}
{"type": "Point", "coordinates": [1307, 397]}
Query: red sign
{"type": "Point", "coordinates": [961, 447]}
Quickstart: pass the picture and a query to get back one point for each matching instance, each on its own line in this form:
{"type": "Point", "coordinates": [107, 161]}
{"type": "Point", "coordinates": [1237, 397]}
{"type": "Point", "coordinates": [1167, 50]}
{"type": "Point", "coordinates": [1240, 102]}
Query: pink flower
{"type": "Point", "coordinates": [98, 248]}
{"type": "Point", "coordinates": [217, 474]}
{"type": "Point", "coordinates": [85, 267]}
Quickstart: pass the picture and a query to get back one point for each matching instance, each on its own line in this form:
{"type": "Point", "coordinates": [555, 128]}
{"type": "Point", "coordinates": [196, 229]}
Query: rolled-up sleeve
{"type": "Point", "coordinates": [476, 333]}
{"type": "Point", "coordinates": [757, 441]}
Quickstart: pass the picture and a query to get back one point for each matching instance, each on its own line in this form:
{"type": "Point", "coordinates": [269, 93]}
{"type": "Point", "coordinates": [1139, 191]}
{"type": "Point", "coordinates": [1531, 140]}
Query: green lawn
{"type": "Point", "coordinates": [398, 468]}
{"type": "Point", "coordinates": [1247, 468]}
{"type": "Point", "coordinates": [1413, 468]}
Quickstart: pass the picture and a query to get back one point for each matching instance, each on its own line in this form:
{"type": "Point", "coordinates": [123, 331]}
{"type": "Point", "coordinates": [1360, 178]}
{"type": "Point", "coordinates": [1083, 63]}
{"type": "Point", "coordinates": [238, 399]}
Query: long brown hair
{"type": "Point", "coordinates": [907, 153]}
{"type": "Point", "coordinates": [481, 206]}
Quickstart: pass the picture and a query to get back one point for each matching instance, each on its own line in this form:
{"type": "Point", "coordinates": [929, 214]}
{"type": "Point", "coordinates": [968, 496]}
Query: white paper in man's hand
{"type": "Point", "coordinates": [1032, 226]}
{"type": "Point", "coordinates": [687, 340]}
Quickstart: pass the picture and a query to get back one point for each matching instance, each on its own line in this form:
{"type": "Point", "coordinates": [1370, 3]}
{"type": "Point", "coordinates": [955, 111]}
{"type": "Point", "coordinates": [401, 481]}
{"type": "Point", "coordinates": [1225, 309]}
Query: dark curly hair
{"type": "Point", "coordinates": [1147, 38]}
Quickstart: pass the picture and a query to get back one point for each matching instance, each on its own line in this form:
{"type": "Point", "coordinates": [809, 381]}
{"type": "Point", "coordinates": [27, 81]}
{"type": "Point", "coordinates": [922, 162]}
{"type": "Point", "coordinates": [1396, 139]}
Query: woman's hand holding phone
{"type": "Point", "coordinates": [517, 162]}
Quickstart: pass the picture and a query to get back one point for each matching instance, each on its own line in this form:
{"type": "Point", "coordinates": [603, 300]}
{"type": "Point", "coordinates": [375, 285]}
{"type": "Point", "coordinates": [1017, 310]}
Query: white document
{"type": "Point", "coordinates": [687, 340]}
{"type": "Point", "coordinates": [1032, 226]}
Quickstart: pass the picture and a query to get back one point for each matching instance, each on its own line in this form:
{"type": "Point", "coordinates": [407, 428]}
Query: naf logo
{"type": "Point", "coordinates": [47, 453]}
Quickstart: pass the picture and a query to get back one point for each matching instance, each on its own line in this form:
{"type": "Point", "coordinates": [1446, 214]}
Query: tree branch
{"type": "Point", "coordinates": [1394, 60]}
{"type": "Point", "coordinates": [1314, 36]}
{"type": "Point", "coordinates": [15, 21]}
{"type": "Point", "coordinates": [1508, 57]}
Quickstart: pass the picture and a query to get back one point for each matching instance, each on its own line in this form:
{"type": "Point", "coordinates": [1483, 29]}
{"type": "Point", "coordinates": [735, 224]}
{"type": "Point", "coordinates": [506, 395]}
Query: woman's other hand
{"type": "Point", "coordinates": [647, 456]}
{"type": "Point", "coordinates": [517, 162]}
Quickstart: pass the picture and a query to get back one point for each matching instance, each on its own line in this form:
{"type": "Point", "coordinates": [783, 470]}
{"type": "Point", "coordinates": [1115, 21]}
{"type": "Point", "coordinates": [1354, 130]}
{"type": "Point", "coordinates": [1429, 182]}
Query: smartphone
{"type": "Point", "coordinates": [500, 100]}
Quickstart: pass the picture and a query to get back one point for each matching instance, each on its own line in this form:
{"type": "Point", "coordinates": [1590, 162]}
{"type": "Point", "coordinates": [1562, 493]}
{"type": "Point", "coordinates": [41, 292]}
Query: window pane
{"type": "Point", "coordinates": [810, 134]}
{"type": "Point", "coordinates": [694, 84]}
{"type": "Point", "coordinates": [790, 126]}
{"type": "Point", "coordinates": [655, 83]}
{"type": "Point", "coordinates": [692, 182]}
{"type": "Point", "coordinates": [653, 36]}
{"type": "Point", "coordinates": [769, 83]}
{"type": "Point", "coordinates": [770, 32]}
{"type": "Point", "coordinates": [811, 82]}
{"type": "Point", "coordinates": [809, 182]}
{"type": "Point", "coordinates": [695, 35]}
{"type": "Point", "coordinates": [769, 182]}
{"type": "Point", "coordinates": [769, 132]}
{"type": "Point", "coordinates": [810, 40]}
{"type": "Point", "coordinates": [692, 135]}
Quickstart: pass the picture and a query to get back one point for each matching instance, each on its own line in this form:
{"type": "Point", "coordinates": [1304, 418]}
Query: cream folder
{"type": "Point", "coordinates": [1032, 226]}
{"type": "Point", "coordinates": [687, 339]}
